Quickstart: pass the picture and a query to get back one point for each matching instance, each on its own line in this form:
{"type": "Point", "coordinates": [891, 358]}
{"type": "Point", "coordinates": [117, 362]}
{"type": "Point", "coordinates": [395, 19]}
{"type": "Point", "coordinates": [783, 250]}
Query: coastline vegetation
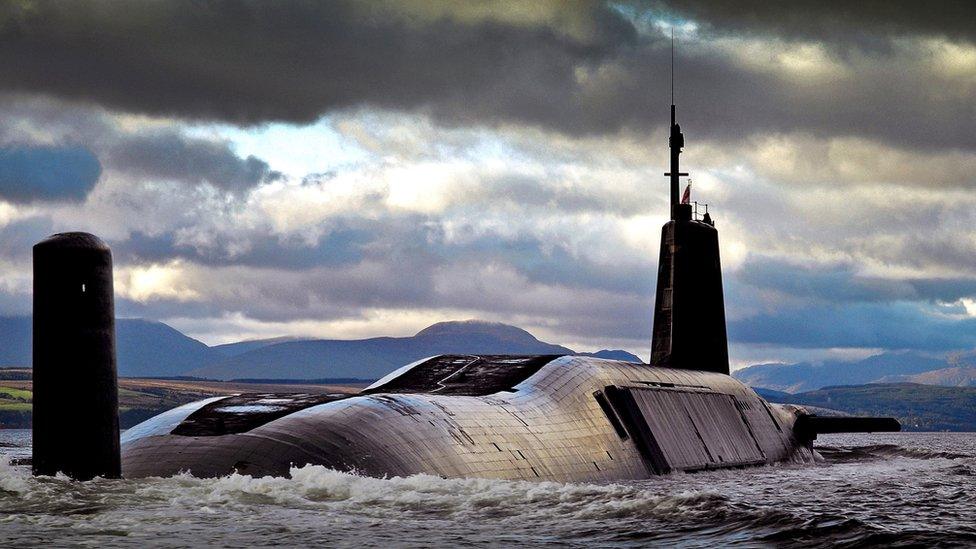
{"type": "Point", "coordinates": [141, 399]}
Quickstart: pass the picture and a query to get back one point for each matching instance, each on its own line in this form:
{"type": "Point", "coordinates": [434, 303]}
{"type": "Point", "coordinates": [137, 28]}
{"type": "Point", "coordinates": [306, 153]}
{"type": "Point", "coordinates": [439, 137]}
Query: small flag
{"type": "Point", "coordinates": [686, 198]}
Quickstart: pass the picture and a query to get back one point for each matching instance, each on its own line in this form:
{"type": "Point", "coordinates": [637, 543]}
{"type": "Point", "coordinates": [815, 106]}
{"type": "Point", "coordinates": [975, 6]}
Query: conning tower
{"type": "Point", "coordinates": [689, 309]}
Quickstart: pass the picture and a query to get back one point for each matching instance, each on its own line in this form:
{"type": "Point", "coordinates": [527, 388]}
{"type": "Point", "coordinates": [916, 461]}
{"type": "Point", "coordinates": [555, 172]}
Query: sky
{"type": "Point", "coordinates": [356, 169]}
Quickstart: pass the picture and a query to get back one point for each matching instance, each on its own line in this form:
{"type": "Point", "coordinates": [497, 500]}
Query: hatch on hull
{"type": "Point", "coordinates": [689, 429]}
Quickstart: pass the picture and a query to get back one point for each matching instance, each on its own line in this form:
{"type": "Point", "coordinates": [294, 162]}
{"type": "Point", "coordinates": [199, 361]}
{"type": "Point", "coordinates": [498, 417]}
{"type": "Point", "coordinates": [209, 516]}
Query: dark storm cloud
{"type": "Point", "coordinates": [250, 62]}
{"type": "Point", "coordinates": [859, 325]}
{"type": "Point", "coordinates": [174, 156]}
{"type": "Point", "coordinates": [833, 20]}
{"type": "Point", "coordinates": [822, 283]}
{"type": "Point", "coordinates": [341, 246]}
{"type": "Point", "coordinates": [47, 173]}
{"type": "Point", "coordinates": [152, 154]}
{"type": "Point", "coordinates": [945, 289]}
{"type": "Point", "coordinates": [17, 238]}
{"type": "Point", "coordinates": [832, 284]}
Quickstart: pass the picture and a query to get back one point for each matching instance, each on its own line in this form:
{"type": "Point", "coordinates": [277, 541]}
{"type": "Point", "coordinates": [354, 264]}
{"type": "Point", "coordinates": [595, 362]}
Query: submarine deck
{"type": "Point", "coordinates": [461, 375]}
{"type": "Point", "coordinates": [519, 417]}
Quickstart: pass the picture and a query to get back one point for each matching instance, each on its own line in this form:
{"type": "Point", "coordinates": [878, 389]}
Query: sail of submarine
{"type": "Point", "coordinates": [562, 418]}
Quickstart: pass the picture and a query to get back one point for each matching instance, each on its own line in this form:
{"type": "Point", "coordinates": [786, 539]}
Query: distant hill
{"type": "Point", "coordinates": [805, 376]}
{"type": "Point", "coordinates": [917, 407]}
{"type": "Point", "coordinates": [152, 349]}
{"type": "Point", "coordinates": [144, 347]}
{"type": "Point", "coordinates": [948, 377]}
{"type": "Point", "coordinates": [773, 395]}
{"type": "Point", "coordinates": [375, 357]}
{"type": "Point", "coordinates": [15, 335]}
{"type": "Point", "coordinates": [241, 347]}
{"type": "Point", "coordinates": [615, 354]}
{"type": "Point", "coordinates": [961, 372]}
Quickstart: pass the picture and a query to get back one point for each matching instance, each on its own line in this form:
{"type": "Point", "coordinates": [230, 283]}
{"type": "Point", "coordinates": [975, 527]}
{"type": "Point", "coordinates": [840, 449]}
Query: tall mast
{"type": "Point", "coordinates": [676, 142]}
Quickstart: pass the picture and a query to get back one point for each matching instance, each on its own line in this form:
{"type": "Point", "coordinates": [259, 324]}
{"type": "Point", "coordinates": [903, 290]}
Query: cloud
{"type": "Point", "coordinates": [554, 233]}
{"type": "Point", "coordinates": [17, 238]}
{"type": "Point", "coordinates": [947, 290]}
{"type": "Point", "coordinates": [32, 173]}
{"type": "Point", "coordinates": [845, 22]}
{"type": "Point", "coordinates": [872, 325]}
{"type": "Point", "coordinates": [142, 150]}
{"type": "Point", "coordinates": [334, 249]}
{"type": "Point", "coordinates": [250, 62]}
{"type": "Point", "coordinates": [531, 227]}
{"type": "Point", "coordinates": [171, 155]}
{"type": "Point", "coordinates": [823, 284]}
{"type": "Point", "coordinates": [802, 160]}
{"type": "Point", "coordinates": [491, 290]}
{"type": "Point", "coordinates": [580, 68]}
{"type": "Point", "coordinates": [818, 306]}
{"type": "Point", "coordinates": [341, 245]}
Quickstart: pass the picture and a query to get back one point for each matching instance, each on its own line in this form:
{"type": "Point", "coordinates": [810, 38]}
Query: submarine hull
{"type": "Point", "coordinates": [549, 418]}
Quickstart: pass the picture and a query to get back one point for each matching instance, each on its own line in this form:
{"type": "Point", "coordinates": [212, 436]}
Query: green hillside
{"type": "Point", "coordinates": [917, 407]}
{"type": "Point", "coordinates": [134, 406]}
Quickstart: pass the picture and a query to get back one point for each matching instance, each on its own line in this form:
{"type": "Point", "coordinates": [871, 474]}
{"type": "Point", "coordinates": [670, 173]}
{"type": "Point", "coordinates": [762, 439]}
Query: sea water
{"type": "Point", "coordinates": [891, 490]}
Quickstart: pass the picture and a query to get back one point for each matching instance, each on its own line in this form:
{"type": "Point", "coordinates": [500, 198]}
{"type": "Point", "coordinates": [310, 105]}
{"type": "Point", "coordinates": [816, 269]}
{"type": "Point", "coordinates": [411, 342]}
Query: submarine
{"type": "Point", "coordinates": [543, 417]}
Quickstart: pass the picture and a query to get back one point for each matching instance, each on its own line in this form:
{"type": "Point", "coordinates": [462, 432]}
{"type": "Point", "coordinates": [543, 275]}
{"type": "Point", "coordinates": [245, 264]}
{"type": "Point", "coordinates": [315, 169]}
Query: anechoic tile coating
{"type": "Point", "coordinates": [550, 426]}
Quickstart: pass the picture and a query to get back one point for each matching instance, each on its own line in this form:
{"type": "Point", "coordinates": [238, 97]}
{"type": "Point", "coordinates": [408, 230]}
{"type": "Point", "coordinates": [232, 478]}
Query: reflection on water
{"type": "Point", "coordinates": [893, 489]}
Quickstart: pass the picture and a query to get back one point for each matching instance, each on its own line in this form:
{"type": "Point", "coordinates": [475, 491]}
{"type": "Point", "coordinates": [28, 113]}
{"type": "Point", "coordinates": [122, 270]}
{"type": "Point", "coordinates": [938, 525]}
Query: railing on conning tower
{"type": "Point", "coordinates": [698, 210]}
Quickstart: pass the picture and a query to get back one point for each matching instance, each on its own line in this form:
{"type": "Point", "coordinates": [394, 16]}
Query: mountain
{"type": "Point", "coordinates": [917, 407]}
{"type": "Point", "coordinates": [152, 349]}
{"type": "Point", "coordinates": [241, 347]}
{"type": "Point", "coordinates": [615, 354]}
{"type": "Point", "coordinates": [947, 377]}
{"type": "Point", "coordinates": [147, 348]}
{"type": "Point", "coordinates": [771, 395]}
{"type": "Point", "coordinates": [15, 333]}
{"type": "Point", "coordinates": [375, 357]}
{"type": "Point", "coordinates": [144, 347]}
{"type": "Point", "coordinates": [805, 376]}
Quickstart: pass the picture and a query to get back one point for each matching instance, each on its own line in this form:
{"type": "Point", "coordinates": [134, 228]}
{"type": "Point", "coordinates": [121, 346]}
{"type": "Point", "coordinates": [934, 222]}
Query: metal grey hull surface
{"type": "Point", "coordinates": [571, 419]}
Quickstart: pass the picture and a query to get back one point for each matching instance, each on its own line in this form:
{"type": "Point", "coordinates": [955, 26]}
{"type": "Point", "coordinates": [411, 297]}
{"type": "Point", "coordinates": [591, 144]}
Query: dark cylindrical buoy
{"type": "Point", "coordinates": [76, 400]}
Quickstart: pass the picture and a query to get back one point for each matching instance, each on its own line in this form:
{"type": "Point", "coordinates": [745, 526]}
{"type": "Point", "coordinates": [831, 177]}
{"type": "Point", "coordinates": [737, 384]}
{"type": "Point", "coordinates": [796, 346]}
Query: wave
{"type": "Point", "coordinates": [858, 453]}
{"type": "Point", "coordinates": [314, 486]}
{"type": "Point", "coordinates": [832, 503]}
{"type": "Point", "coordinates": [399, 509]}
{"type": "Point", "coordinates": [317, 486]}
{"type": "Point", "coordinates": [602, 513]}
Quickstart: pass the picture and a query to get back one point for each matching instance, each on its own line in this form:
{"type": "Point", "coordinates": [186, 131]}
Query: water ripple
{"type": "Point", "coordinates": [892, 490]}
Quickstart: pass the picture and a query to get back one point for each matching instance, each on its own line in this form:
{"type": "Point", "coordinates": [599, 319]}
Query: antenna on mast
{"type": "Point", "coordinates": [676, 142]}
